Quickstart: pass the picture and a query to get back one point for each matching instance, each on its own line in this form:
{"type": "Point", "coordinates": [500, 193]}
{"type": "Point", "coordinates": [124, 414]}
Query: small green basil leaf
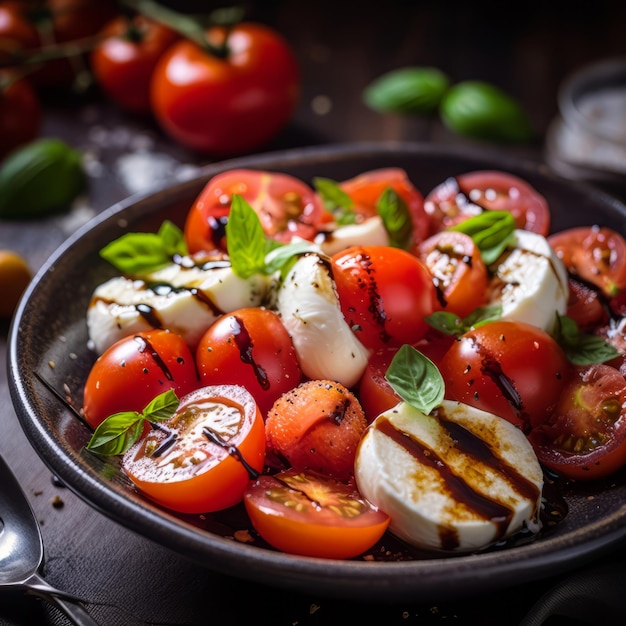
{"type": "Point", "coordinates": [136, 254]}
{"type": "Point", "coordinates": [117, 433]}
{"type": "Point", "coordinates": [581, 348]}
{"type": "Point", "coordinates": [245, 239]}
{"type": "Point", "coordinates": [283, 256]}
{"type": "Point", "coordinates": [416, 379]}
{"type": "Point", "coordinates": [162, 407]}
{"type": "Point", "coordinates": [396, 218]}
{"type": "Point", "coordinates": [452, 324]}
{"type": "Point", "coordinates": [483, 111]}
{"type": "Point", "coordinates": [336, 200]}
{"type": "Point", "coordinates": [492, 232]}
{"type": "Point", "coordinates": [408, 90]}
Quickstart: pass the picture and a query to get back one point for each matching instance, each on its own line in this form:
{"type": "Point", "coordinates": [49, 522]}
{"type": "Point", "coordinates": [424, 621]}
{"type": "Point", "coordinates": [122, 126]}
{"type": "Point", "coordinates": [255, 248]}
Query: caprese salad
{"type": "Point", "coordinates": [348, 358]}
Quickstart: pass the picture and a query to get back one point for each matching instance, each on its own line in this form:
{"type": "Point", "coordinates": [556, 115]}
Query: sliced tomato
{"type": "Point", "coordinates": [202, 458]}
{"type": "Point", "coordinates": [458, 271]}
{"type": "Point", "coordinates": [311, 514]}
{"type": "Point", "coordinates": [585, 437]}
{"type": "Point", "coordinates": [585, 305]}
{"type": "Point", "coordinates": [472, 193]}
{"type": "Point", "coordinates": [512, 369]}
{"type": "Point", "coordinates": [136, 369]}
{"type": "Point", "coordinates": [384, 294]}
{"type": "Point", "coordinates": [250, 347]}
{"type": "Point", "coordinates": [594, 253]}
{"type": "Point", "coordinates": [317, 426]}
{"type": "Point", "coordinates": [366, 189]}
{"type": "Point", "coordinates": [286, 206]}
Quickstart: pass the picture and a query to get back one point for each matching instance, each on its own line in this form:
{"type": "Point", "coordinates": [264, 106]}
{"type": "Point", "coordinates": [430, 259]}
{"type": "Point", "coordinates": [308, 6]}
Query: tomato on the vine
{"type": "Point", "coordinates": [249, 347]}
{"type": "Point", "coordinates": [469, 194]}
{"type": "Point", "coordinates": [20, 112]}
{"type": "Point", "coordinates": [310, 514]}
{"type": "Point", "coordinates": [384, 294]}
{"type": "Point", "coordinates": [366, 189]}
{"type": "Point", "coordinates": [229, 100]}
{"type": "Point", "coordinates": [126, 56]}
{"type": "Point", "coordinates": [512, 369]}
{"type": "Point", "coordinates": [286, 206]}
{"type": "Point", "coordinates": [136, 369]}
{"type": "Point", "coordinates": [458, 270]}
{"type": "Point", "coordinates": [596, 254]}
{"type": "Point", "coordinates": [585, 437]}
{"type": "Point", "coordinates": [202, 458]}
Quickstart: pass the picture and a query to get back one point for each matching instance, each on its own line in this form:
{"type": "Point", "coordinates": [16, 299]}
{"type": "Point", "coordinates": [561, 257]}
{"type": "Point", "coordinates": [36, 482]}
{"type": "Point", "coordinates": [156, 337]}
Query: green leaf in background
{"type": "Point", "coordinates": [396, 218]}
{"type": "Point", "coordinates": [137, 254]}
{"type": "Point", "coordinates": [416, 379]}
{"type": "Point", "coordinates": [336, 200]}
{"type": "Point", "coordinates": [483, 111]}
{"type": "Point", "coordinates": [409, 90]}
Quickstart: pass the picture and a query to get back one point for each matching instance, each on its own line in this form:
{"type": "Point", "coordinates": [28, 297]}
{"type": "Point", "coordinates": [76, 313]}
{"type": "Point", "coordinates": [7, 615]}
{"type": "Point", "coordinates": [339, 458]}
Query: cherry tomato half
{"type": "Point", "coordinates": [286, 206]}
{"type": "Point", "coordinates": [384, 294]}
{"type": "Point", "coordinates": [585, 437]}
{"type": "Point", "coordinates": [366, 189]}
{"type": "Point", "coordinates": [458, 270]}
{"type": "Point", "coordinates": [512, 369]}
{"type": "Point", "coordinates": [203, 457]}
{"type": "Point", "coordinates": [470, 194]}
{"type": "Point", "coordinates": [126, 56]}
{"type": "Point", "coordinates": [136, 369]}
{"type": "Point", "coordinates": [20, 113]}
{"type": "Point", "coordinates": [312, 515]}
{"type": "Point", "coordinates": [228, 105]}
{"type": "Point", "coordinates": [596, 254]}
{"type": "Point", "coordinates": [250, 347]}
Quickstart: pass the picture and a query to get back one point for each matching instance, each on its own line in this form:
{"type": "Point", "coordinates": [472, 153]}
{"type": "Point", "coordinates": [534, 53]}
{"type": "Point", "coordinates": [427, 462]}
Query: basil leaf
{"type": "Point", "coordinates": [136, 254]}
{"type": "Point", "coordinates": [416, 379]}
{"type": "Point", "coordinates": [492, 232]}
{"type": "Point", "coordinates": [117, 433]}
{"type": "Point", "coordinates": [283, 256]}
{"type": "Point", "coordinates": [396, 218]}
{"type": "Point", "coordinates": [162, 407]}
{"type": "Point", "coordinates": [452, 324]}
{"type": "Point", "coordinates": [408, 90]}
{"type": "Point", "coordinates": [245, 239]}
{"type": "Point", "coordinates": [581, 348]}
{"type": "Point", "coordinates": [336, 200]}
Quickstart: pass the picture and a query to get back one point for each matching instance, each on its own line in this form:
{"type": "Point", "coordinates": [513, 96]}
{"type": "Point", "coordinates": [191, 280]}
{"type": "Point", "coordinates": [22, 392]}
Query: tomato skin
{"type": "Point", "coordinates": [595, 254]}
{"type": "Point", "coordinates": [465, 195]}
{"type": "Point", "coordinates": [250, 347]}
{"type": "Point", "coordinates": [512, 369]}
{"type": "Point", "coordinates": [124, 60]}
{"type": "Point", "coordinates": [310, 514]}
{"type": "Point", "coordinates": [195, 474]}
{"type": "Point", "coordinates": [17, 33]}
{"type": "Point", "coordinates": [384, 294]}
{"type": "Point", "coordinates": [585, 437]}
{"type": "Point", "coordinates": [366, 189]}
{"type": "Point", "coordinates": [20, 113]}
{"type": "Point", "coordinates": [286, 206]}
{"type": "Point", "coordinates": [232, 105]}
{"type": "Point", "coordinates": [458, 270]}
{"type": "Point", "coordinates": [136, 369]}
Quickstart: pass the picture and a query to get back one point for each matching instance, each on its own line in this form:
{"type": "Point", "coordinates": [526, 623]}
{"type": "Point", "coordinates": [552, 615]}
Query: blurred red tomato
{"type": "Point", "coordinates": [20, 112]}
{"type": "Point", "coordinates": [226, 104]}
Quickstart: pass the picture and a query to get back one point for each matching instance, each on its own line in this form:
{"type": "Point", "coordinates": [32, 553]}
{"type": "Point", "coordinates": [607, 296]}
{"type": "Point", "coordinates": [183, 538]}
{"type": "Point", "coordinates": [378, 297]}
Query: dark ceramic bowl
{"type": "Point", "coordinates": [49, 329]}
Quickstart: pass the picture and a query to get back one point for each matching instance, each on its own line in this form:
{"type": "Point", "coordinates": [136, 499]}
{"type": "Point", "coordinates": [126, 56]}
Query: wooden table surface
{"type": "Point", "coordinates": [129, 579]}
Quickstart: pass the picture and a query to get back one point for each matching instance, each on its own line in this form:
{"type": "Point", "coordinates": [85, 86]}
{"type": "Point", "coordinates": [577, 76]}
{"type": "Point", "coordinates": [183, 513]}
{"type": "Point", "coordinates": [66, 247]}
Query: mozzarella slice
{"type": "Point", "coordinates": [370, 232]}
{"type": "Point", "coordinates": [309, 308]}
{"type": "Point", "coordinates": [530, 282]}
{"type": "Point", "coordinates": [457, 480]}
{"type": "Point", "coordinates": [184, 298]}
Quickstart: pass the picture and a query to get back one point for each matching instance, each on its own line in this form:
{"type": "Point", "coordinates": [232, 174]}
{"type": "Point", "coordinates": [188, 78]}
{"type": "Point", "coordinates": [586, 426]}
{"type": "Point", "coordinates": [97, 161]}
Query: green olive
{"type": "Point", "coordinates": [483, 111]}
{"type": "Point", "coordinates": [15, 275]}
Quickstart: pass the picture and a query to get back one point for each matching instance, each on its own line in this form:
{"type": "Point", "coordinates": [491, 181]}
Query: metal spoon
{"type": "Point", "coordinates": [21, 551]}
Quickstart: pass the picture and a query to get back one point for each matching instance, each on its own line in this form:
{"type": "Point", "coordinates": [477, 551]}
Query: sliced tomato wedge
{"type": "Point", "coordinates": [585, 438]}
{"type": "Point", "coordinates": [202, 458]}
{"type": "Point", "coordinates": [309, 514]}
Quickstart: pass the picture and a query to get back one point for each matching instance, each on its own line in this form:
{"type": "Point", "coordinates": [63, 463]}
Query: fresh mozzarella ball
{"type": "Point", "coordinates": [309, 307]}
{"type": "Point", "coordinates": [370, 232]}
{"type": "Point", "coordinates": [456, 480]}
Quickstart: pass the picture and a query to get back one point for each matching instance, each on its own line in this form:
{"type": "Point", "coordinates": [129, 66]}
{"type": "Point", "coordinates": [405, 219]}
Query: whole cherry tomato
{"type": "Point", "coordinates": [227, 104]}
{"type": "Point", "coordinates": [20, 112]}
{"type": "Point", "coordinates": [126, 57]}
